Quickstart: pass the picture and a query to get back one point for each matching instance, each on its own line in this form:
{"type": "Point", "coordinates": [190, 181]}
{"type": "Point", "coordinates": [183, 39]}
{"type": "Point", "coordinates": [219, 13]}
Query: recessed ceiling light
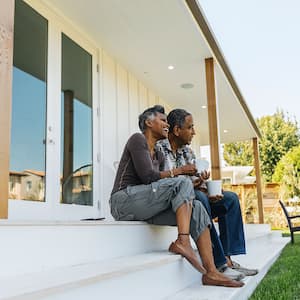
{"type": "Point", "coordinates": [203, 106]}
{"type": "Point", "coordinates": [187, 85]}
{"type": "Point", "coordinates": [225, 130]}
{"type": "Point", "coordinates": [170, 67]}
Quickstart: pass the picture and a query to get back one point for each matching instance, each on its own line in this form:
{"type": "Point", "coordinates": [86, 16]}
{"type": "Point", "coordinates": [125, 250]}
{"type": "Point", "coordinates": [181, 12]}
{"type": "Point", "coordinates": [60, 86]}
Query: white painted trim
{"type": "Point", "coordinates": [53, 117]}
{"type": "Point", "coordinates": [100, 133]}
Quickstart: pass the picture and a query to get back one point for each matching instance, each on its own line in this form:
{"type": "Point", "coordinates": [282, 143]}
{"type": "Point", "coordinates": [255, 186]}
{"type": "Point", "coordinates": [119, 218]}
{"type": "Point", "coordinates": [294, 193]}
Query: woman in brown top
{"type": "Point", "coordinates": [142, 191]}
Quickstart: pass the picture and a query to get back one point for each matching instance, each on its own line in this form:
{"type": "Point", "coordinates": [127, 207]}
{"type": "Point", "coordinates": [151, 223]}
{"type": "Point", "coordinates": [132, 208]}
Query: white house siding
{"type": "Point", "coordinates": [133, 102]}
{"type": "Point", "coordinates": [143, 96]}
{"type": "Point", "coordinates": [123, 98]}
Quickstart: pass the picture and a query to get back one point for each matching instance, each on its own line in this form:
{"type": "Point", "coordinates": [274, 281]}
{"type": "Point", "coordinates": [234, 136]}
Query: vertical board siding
{"type": "Point", "coordinates": [151, 98]}
{"type": "Point", "coordinates": [109, 127]}
{"type": "Point", "coordinates": [133, 103]}
{"type": "Point", "coordinates": [143, 99]}
{"type": "Point", "coordinates": [122, 109]}
{"type": "Point", "coordinates": [124, 97]}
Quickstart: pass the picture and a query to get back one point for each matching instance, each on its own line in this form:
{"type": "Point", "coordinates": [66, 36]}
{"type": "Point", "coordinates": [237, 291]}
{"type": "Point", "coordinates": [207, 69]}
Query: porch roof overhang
{"type": "Point", "coordinates": [148, 36]}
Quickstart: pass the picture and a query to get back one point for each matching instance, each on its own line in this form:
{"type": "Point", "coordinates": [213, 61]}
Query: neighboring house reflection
{"type": "Point", "coordinates": [27, 185]}
{"type": "Point", "coordinates": [30, 184]}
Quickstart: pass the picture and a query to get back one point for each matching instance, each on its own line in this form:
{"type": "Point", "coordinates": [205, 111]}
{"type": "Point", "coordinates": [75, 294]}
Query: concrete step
{"type": "Point", "coordinates": [28, 247]}
{"type": "Point", "coordinates": [147, 276]}
{"type": "Point", "coordinates": [154, 275]}
{"type": "Point", "coordinates": [262, 252]}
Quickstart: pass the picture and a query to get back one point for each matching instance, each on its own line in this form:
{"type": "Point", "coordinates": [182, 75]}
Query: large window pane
{"type": "Point", "coordinates": [76, 108]}
{"type": "Point", "coordinates": [27, 161]}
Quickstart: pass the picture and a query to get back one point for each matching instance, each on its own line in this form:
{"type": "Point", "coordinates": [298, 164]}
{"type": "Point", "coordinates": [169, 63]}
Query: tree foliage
{"type": "Point", "coordinates": [287, 172]}
{"type": "Point", "coordinates": [238, 154]}
{"type": "Point", "coordinates": [279, 135]}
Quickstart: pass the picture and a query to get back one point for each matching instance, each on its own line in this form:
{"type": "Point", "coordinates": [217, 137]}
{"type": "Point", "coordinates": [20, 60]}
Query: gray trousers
{"type": "Point", "coordinates": [157, 203]}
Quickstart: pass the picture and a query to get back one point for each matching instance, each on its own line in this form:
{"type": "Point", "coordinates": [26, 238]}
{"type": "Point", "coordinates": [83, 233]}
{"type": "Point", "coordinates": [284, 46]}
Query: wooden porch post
{"type": "Point", "coordinates": [213, 119]}
{"type": "Point", "coordinates": [6, 67]}
{"type": "Point", "coordinates": [258, 181]}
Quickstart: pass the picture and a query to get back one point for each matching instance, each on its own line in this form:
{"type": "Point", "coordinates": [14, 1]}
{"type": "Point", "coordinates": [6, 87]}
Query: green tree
{"type": "Point", "coordinates": [287, 173]}
{"type": "Point", "coordinates": [279, 135]}
{"type": "Point", "coordinates": [238, 154]}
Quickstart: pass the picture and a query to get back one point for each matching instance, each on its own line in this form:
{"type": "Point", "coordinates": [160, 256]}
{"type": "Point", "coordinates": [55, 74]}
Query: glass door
{"type": "Point", "coordinates": [53, 164]}
{"type": "Point", "coordinates": [76, 159]}
{"type": "Point", "coordinates": [29, 102]}
{"type": "Point", "coordinates": [76, 147]}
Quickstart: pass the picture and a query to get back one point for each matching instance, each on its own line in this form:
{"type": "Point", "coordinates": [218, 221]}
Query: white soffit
{"type": "Point", "coordinates": [146, 36]}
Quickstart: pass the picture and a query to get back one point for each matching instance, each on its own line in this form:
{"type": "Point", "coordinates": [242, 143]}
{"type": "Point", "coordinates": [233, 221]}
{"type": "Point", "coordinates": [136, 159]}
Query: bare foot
{"type": "Point", "coordinates": [183, 246]}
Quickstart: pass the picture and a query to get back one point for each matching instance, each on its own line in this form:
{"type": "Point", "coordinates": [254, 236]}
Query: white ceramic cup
{"type": "Point", "coordinates": [214, 187]}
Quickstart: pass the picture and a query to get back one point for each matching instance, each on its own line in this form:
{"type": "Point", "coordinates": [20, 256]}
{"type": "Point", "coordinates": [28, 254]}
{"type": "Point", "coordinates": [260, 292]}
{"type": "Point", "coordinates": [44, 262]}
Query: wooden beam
{"type": "Point", "coordinates": [258, 181]}
{"type": "Point", "coordinates": [6, 67]}
{"type": "Point", "coordinates": [213, 119]}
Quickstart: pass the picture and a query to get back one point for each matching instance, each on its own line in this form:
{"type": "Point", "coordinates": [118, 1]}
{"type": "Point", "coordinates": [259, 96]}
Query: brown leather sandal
{"type": "Point", "coordinates": [227, 283]}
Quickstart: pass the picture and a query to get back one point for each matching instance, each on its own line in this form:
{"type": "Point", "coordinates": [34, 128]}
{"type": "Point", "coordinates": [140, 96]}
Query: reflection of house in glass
{"type": "Point", "coordinates": [27, 185]}
{"type": "Point", "coordinates": [77, 187]}
{"type": "Point", "coordinates": [30, 185]}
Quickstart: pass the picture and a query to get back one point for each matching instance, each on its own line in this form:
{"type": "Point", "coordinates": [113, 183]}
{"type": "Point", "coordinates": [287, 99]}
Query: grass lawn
{"type": "Point", "coordinates": [282, 282]}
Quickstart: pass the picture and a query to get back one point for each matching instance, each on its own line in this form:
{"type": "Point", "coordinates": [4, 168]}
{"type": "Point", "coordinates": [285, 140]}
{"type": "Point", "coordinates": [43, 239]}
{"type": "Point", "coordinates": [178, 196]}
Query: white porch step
{"type": "Point", "coordinates": [262, 252]}
{"type": "Point", "coordinates": [28, 247]}
{"type": "Point", "coordinates": [153, 275]}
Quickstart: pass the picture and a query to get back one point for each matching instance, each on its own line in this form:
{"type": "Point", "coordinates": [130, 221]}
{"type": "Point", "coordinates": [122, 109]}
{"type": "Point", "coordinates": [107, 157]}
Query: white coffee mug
{"type": "Point", "coordinates": [214, 187]}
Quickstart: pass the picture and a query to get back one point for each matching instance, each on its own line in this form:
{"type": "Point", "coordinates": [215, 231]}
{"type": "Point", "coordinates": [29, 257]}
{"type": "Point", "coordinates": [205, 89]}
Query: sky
{"type": "Point", "coordinates": [261, 44]}
{"type": "Point", "coordinates": [28, 126]}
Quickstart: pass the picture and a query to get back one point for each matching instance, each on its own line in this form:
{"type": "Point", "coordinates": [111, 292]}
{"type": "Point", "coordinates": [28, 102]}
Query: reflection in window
{"type": "Point", "coordinates": [28, 186]}
{"type": "Point", "coordinates": [76, 116]}
{"type": "Point", "coordinates": [28, 104]}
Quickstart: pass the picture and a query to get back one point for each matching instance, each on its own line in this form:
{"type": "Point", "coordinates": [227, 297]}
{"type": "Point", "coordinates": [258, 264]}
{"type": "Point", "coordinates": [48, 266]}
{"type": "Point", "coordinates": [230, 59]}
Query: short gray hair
{"type": "Point", "coordinates": [149, 114]}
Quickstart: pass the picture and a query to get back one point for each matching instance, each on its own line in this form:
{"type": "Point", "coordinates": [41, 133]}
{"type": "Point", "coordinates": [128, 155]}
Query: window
{"type": "Point", "coordinates": [28, 186]}
{"type": "Point", "coordinates": [76, 116]}
{"type": "Point", "coordinates": [28, 127]}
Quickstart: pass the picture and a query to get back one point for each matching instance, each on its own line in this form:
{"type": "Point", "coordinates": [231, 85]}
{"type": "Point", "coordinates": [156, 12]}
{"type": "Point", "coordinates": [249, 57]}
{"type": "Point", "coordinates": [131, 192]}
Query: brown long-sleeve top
{"type": "Point", "coordinates": [136, 165]}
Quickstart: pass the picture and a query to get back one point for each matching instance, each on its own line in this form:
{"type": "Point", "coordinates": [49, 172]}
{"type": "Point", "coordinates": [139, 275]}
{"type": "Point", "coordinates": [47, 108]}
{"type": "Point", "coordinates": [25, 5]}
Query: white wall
{"type": "Point", "coordinates": [123, 98]}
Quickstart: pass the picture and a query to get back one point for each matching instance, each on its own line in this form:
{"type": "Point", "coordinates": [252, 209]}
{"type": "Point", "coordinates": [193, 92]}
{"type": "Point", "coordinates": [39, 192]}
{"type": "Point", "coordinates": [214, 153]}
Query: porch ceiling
{"type": "Point", "coordinates": [147, 36]}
